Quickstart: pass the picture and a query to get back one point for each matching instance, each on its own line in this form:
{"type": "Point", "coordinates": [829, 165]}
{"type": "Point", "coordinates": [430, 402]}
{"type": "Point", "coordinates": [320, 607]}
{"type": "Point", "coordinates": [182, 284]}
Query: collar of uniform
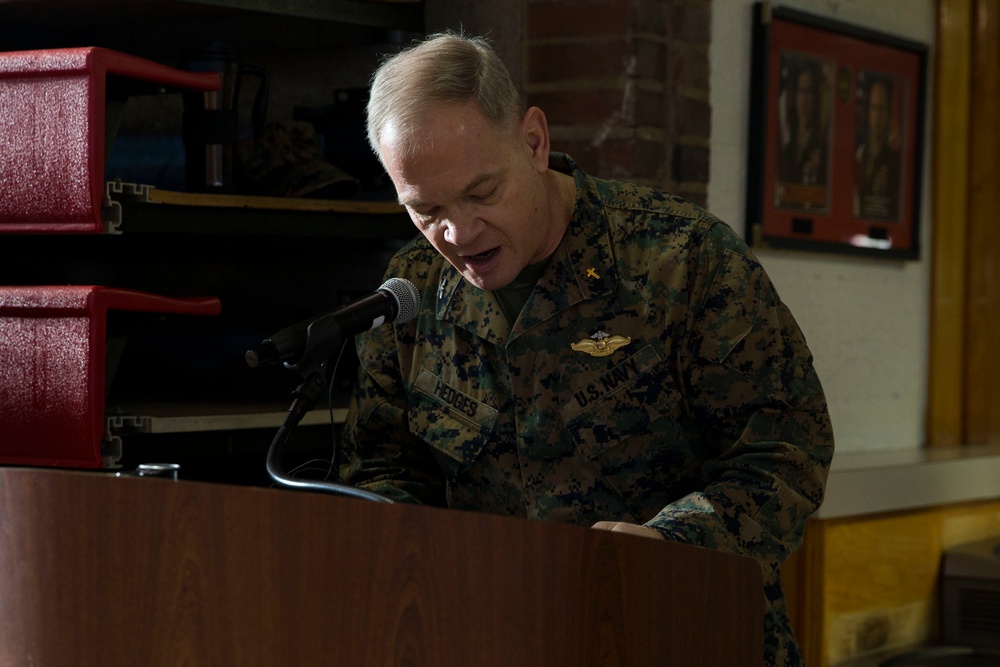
{"type": "Point", "coordinates": [469, 307]}
{"type": "Point", "coordinates": [589, 258]}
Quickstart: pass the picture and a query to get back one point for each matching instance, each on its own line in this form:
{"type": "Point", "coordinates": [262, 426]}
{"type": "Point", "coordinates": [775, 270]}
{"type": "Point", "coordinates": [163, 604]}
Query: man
{"type": "Point", "coordinates": [878, 162]}
{"type": "Point", "coordinates": [586, 351]}
{"type": "Point", "coordinates": [803, 157]}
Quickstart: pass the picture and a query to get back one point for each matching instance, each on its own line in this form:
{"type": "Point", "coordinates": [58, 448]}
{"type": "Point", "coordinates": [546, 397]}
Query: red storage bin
{"type": "Point", "coordinates": [52, 368]}
{"type": "Point", "coordinates": [53, 128]}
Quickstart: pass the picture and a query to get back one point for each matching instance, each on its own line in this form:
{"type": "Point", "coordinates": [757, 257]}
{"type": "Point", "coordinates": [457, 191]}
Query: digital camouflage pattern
{"type": "Point", "coordinates": [708, 424]}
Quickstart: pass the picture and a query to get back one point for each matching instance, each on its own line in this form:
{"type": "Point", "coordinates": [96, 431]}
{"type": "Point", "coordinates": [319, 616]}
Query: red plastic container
{"type": "Point", "coordinates": [53, 128]}
{"type": "Point", "coordinates": [52, 368]}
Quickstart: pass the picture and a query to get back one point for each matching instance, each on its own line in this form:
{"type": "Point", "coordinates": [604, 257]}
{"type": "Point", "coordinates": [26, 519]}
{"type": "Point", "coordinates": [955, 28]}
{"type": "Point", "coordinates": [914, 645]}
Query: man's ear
{"type": "Point", "coordinates": [535, 130]}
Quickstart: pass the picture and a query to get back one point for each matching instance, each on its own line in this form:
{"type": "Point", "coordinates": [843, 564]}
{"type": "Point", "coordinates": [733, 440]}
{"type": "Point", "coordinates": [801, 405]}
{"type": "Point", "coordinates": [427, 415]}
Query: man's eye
{"type": "Point", "coordinates": [424, 216]}
{"type": "Point", "coordinates": [485, 196]}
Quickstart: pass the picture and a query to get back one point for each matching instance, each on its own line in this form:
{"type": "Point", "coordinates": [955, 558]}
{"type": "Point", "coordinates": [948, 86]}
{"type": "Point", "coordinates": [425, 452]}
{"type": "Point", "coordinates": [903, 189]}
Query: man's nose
{"type": "Point", "coordinates": [461, 228]}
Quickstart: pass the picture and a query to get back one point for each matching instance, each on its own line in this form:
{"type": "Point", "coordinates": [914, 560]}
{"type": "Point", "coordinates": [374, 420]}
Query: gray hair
{"type": "Point", "coordinates": [445, 67]}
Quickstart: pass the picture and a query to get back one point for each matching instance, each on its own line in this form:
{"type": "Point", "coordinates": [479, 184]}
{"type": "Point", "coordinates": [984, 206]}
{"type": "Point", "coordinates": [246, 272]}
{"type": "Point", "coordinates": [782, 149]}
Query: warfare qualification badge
{"type": "Point", "coordinates": [601, 344]}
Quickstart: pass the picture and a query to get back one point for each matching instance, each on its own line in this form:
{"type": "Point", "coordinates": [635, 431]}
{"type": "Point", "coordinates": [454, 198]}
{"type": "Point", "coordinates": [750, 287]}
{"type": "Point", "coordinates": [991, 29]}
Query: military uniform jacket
{"type": "Point", "coordinates": [653, 376]}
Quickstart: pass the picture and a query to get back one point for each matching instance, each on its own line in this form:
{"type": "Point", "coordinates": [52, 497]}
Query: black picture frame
{"type": "Point", "coordinates": [836, 136]}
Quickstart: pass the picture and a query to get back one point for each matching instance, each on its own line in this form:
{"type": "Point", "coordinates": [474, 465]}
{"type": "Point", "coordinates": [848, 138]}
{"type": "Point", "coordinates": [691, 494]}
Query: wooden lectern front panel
{"type": "Point", "coordinates": [104, 571]}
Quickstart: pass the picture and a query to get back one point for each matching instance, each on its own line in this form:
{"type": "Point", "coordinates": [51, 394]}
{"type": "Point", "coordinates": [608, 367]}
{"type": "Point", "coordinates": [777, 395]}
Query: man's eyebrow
{"type": "Point", "coordinates": [475, 183]}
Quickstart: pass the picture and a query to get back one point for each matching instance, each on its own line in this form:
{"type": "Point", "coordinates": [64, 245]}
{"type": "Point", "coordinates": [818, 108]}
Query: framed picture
{"type": "Point", "coordinates": [836, 128]}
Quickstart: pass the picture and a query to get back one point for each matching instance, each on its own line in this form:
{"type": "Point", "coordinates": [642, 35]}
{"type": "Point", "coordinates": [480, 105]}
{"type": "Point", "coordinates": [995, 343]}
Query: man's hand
{"type": "Point", "coordinates": [631, 528]}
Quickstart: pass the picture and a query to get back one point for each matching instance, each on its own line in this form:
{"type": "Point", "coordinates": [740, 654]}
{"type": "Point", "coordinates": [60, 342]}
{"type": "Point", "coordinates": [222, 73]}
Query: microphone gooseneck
{"type": "Point", "coordinates": [307, 346]}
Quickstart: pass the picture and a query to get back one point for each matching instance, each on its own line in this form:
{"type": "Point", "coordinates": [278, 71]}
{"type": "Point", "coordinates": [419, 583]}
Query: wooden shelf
{"type": "Point", "coordinates": [133, 208]}
{"type": "Point", "coordinates": [160, 418]}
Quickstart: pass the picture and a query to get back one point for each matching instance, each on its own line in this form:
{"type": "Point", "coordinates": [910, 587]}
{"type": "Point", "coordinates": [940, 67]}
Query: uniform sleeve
{"type": "Point", "coordinates": [751, 385]}
{"type": "Point", "coordinates": [378, 452]}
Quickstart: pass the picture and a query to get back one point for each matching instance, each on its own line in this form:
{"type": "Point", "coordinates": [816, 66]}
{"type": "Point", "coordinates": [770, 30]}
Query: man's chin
{"type": "Point", "coordinates": [478, 281]}
{"type": "Point", "coordinates": [484, 282]}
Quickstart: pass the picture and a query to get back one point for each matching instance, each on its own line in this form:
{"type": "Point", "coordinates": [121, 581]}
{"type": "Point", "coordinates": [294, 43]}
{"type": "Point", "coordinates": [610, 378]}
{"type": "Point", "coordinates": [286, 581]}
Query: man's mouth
{"type": "Point", "coordinates": [482, 257]}
{"type": "Point", "coordinates": [486, 255]}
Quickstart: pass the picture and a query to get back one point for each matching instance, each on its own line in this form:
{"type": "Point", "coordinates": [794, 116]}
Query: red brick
{"type": "Point", "coordinates": [690, 163]}
{"type": "Point", "coordinates": [691, 20]}
{"type": "Point", "coordinates": [575, 18]}
{"type": "Point", "coordinates": [598, 59]}
{"type": "Point", "coordinates": [652, 16]}
{"type": "Point", "coordinates": [691, 192]}
{"type": "Point", "coordinates": [689, 67]}
{"type": "Point", "coordinates": [618, 158]}
{"type": "Point", "coordinates": [651, 60]}
{"type": "Point", "coordinates": [572, 18]}
{"type": "Point", "coordinates": [585, 154]}
{"type": "Point", "coordinates": [582, 107]}
{"type": "Point", "coordinates": [573, 43]}
{"type": "Point", "coordinates": [651, 108]}
{"type": "Point", "coordinates": [593, 107]}
{"type": "Point", "coordinates": [628, 159]}
{"type": "Point", "coordinates": [614, 158]}
{"type": "Point", "coordinates": [692, 117]}
{"type": "Point", "coordinates": [651, 158]}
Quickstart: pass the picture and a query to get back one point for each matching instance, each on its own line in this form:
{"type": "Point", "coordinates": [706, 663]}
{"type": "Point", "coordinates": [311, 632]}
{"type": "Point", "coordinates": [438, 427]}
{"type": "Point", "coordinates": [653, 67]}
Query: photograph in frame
{"type": "Point", "coordinates": [835, 136]}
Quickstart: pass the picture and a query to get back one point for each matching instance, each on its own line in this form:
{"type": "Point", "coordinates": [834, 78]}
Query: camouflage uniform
{"type": "Point", "coordinates": [709, 424]}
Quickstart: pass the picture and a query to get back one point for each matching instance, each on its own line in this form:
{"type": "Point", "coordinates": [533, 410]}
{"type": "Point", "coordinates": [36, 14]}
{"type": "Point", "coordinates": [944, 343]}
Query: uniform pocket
{"type": "Point", "coordinates": [629, 409]}
{"type": "Point", "coordinates": [639, 441]}
{"type": "Point", "coordinates": [450, 421]}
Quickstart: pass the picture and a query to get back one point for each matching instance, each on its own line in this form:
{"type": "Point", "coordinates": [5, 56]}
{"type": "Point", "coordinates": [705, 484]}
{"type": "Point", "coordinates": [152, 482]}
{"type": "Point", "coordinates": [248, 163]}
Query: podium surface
{"type": "Point", "coordinates": [103, 570]}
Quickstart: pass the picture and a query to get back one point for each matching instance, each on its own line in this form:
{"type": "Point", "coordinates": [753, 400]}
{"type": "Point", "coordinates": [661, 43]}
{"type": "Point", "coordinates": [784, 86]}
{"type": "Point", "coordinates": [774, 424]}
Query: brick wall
{"type": "Point", "coordinates": [624, 84]}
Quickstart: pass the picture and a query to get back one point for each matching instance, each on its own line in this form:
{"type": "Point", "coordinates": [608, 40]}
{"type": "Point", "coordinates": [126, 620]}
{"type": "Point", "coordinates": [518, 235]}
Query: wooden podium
{"type": "Point", "coordinates": [103, 570]}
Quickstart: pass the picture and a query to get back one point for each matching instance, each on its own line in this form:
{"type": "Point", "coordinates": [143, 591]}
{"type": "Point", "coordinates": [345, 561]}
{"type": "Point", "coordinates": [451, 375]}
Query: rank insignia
{"type": "Point", "coordinates": [601, 344]}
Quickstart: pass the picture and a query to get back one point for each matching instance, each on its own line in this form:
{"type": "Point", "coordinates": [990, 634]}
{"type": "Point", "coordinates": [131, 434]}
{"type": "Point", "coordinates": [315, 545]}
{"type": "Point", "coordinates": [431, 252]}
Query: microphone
{"type": "Point", "coordinates": [397, 300]}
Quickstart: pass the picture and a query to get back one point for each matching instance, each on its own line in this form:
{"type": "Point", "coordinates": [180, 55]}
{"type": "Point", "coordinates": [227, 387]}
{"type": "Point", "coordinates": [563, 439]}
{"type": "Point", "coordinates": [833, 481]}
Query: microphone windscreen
{"type": "Point", "coordinates": [406, 296]}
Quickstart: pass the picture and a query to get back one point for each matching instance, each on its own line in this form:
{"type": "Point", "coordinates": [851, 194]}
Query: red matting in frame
{"type": "Point", "coordinates": [854, 185]}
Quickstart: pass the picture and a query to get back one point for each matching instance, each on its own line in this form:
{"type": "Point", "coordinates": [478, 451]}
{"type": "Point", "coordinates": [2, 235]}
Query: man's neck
{"type": "Point", "coordinates": [567, 195]}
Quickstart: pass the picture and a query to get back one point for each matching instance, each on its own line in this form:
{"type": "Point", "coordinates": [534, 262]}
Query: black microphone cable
{"type": "Point", "coordinates": [327, 466]}
{"type": "Point", "coordinates": [305, 348]}
{"type": "Point", "coordinates": [304, 399]}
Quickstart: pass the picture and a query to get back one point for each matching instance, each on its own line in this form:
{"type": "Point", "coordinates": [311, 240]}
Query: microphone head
{"type": "Point", "coordinates": [406, 296]}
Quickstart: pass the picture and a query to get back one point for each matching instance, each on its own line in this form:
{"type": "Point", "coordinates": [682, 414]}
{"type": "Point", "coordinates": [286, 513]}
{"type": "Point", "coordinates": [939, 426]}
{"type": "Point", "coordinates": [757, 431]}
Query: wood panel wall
{"type": "Point", "coordinates": [869, 586]}
{"type": "Point", "coordinates": [950, 164]}
{"type": "Point", "coordinates": [965, 246]}
{"type": "Point", "coordinates": [982, 394]}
